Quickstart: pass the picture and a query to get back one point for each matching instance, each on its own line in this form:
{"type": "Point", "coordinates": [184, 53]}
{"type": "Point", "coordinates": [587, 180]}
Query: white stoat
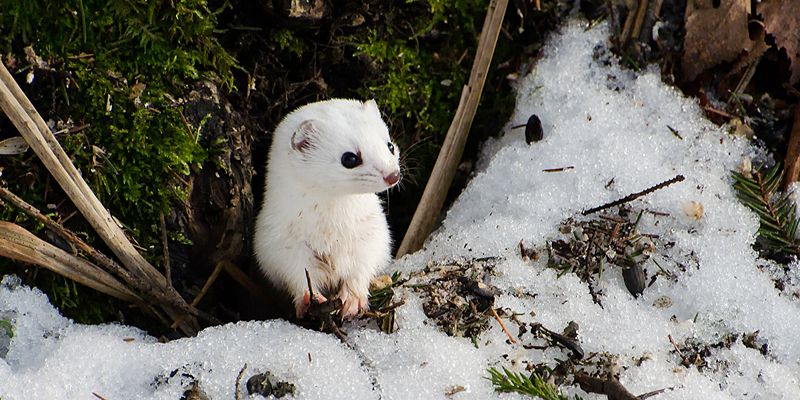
{"type": "Point", "coordinates": [320, 212]}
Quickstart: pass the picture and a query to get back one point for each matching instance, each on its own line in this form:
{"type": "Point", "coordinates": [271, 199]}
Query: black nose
{"type": "Point", "coordinates": [392, 178]}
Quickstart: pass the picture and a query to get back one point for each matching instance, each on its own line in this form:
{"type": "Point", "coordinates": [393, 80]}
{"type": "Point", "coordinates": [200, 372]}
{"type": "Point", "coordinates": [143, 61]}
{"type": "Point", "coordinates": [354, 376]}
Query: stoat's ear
{"type": "Point", "coordinates": [371, 105]}
{"type": "Point", "coordinates": [303, 137]}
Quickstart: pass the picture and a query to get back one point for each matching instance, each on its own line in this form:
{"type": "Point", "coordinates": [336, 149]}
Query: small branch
{"type": "Point", "coordinates": [165, 245]}
{"type": "Point", "coordinates": [72, 238]}
{"type": "Point", "coordinates": [791, 162]}
{"type": "Point", "coordinates": [383, 311]}
{"type": "Point", "coordinates": [643, 396]}
{"type": "Point", "coordinates": [239, 382]}
{"type": "Point", "coordinates": [502, 325]}
{"type": "Point", "coordinates": [634, 196]}
{"type": "Point", "coordinates": [210, 281]}
{"type": "Point", "coordinates": [101, 259]}
{"type": "Point", "coordinates": [18, 244]}
{"type": "Point", "coordinates": [311, 298]}
{"type": "Point", "coordinates": [558, 169]}
{"type": "Point", "coordinates": [570, 344]}
{"type": "Point", "coordinates": [610, 387]}
{"type": "Point", "coordinates": [245, 281]}
{"type": "Point", "coordinates": [641, 11]}
{"type": "Point", "coordinates": [680, 353]}
{"type": "Point", "coordinates": [719, 112]}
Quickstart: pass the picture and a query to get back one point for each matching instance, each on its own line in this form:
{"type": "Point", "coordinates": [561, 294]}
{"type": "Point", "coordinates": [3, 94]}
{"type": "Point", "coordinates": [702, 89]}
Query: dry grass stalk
{"type": "Point", "coordinates": [453, 147]}
{"type": "Point", "coordinates": [18, 244]}
{"type": "Point", "coordinates": [36, 133]}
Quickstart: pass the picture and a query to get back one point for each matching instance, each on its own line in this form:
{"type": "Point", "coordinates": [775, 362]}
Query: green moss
{"type": "Point", "coordinates": [419, 76]}
{"type": "Point", "coordinates": [287, 41]}
{"type": "Point", "coordinates": [118, 68]}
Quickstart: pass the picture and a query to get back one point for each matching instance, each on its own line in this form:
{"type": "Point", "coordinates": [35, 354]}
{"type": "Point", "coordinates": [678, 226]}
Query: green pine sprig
{"type": "Point", "coordinates": [511, 382]}
{"type": "Point", "coordinates": [776, 210]}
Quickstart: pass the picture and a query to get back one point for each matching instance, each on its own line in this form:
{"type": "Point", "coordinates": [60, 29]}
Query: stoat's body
{"type": "Point", "coordinates": [320, 212]}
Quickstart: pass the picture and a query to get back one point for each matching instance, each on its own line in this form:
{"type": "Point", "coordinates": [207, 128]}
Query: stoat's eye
{"type": "Point", "coordinates": [391, 147]}
{"type": "Point", "coordinates": [350, 160]}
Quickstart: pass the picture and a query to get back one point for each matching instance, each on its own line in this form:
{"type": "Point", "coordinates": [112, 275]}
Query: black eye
{"type": "Point", "coordinates": [350, 160]}
{"type": "Point", "coordinates": [391, 147]}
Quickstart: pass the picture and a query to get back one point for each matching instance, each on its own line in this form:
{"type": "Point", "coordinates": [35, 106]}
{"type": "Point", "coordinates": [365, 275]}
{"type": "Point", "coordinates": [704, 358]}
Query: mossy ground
{"type": "Point", "coordinates": [112, 75]}
{"type": "Point", "coordinates": [109, 74]}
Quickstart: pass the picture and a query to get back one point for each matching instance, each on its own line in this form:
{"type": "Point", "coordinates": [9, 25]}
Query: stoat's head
{"type": "Point", "coordinates": [342, 146]}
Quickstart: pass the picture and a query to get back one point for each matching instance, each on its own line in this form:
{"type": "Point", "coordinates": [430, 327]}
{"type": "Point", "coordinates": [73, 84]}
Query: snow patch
{"type": "Point", "coordinates": [615, 127]}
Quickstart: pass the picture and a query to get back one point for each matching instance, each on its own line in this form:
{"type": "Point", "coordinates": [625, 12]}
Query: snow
{"type": "Point", "coordinates": [605, 122]}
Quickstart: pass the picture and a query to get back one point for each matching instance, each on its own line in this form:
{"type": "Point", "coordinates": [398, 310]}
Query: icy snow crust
{"type": "Point", "coordinates": [607, 123]}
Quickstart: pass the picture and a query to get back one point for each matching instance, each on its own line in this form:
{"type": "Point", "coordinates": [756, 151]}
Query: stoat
{"type": "Point", "coordinates": [321, 212]}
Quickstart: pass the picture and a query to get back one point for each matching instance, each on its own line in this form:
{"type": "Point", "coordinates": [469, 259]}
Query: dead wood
{"type": "Point", "coordinates": [444, 169]}
{"type": "Point", "coordinates": [610, 387]}
{"type": "Point", "coordinates": [634, 196]}
{"type": "Point", "coordinates": [18, 244]}
{"type": "Point", "coordinates": [39, 137]}
{"type": "Point", "coordinates": [791, 163]}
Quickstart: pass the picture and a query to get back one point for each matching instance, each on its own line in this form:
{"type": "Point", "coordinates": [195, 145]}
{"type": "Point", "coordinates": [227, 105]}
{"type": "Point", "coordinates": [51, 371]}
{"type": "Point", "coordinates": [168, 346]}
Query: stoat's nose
{"type": "Point", "coordinates": [392, 178]}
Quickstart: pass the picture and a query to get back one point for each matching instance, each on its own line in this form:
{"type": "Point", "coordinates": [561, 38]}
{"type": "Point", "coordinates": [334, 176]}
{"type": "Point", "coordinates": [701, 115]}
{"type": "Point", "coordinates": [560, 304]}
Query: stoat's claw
{"type": "Point", "coordinates": [352, 305]}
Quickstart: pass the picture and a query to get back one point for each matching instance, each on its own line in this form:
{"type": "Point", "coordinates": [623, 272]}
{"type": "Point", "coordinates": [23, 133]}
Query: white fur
{"type": "Point", "coordinates": [316, 210]}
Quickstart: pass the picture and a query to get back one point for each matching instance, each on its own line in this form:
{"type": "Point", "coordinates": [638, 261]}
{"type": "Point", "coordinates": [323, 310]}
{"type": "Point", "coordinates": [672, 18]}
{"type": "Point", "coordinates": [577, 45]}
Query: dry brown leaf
{"type": "Point", "coordinates": [782, 20]}
{"type": "Point", "coordinates": [716, 35]}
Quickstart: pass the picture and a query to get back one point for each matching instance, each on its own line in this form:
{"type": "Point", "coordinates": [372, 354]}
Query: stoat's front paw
{"type": "Point", "coordinates": [301, 304]}
{"type": "Point", "coordinates": [353, 304]}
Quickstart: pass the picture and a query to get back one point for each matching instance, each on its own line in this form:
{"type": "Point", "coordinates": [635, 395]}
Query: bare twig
{"type": "Point", "coordinates": [210, 281]}
{"type": "Point", "coordinates": [558, 169]}
{"type": "Point", "coordinates": [100, 258]}
{"type": "Point", "coordinates": [165, 245]}
{"type": "Point", "coordinates": [245, 281]}
{"type": "Point", "coordinates": [453, 147]}
{"type": "Point", "coordinates": [641, 11]}
{"type": "Point", "coordinates": [677, 349]}
{"type": "Point", "coordinates": [18, 244]}
{"type": "Point", "coordinates": [570, 344]}
{"type": "Point", "coordinates": [634, 196]}
{"type": "Point", "coordinates": [610, 387]}
{"type": "Point", "coordinates": [383, 311]}
{"type": "Point", "coordinates": [502, 325]}
{"type": "Point", "coordinates": [239, 382]}
{"type": "Point", "coordinates": [791, 162]}
{"type": "Point", "coordinates": [651, 394]}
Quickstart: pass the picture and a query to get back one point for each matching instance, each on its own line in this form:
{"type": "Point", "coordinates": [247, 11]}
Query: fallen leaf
{"type": "Point", "coordinates": [782, 20]}
{"type": "Point", "coordinates": [716, 35]}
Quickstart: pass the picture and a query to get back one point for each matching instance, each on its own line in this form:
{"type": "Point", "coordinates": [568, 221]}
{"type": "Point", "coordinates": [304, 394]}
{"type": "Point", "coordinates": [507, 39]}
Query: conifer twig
{"type": "Point", "coordinates": [634, 196]}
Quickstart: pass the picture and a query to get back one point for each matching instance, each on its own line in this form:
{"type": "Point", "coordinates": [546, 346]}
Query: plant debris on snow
{"type": "Point", "coordinates": [458, 295]}
{"type": "Point", "coordinates": [603, 244]}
